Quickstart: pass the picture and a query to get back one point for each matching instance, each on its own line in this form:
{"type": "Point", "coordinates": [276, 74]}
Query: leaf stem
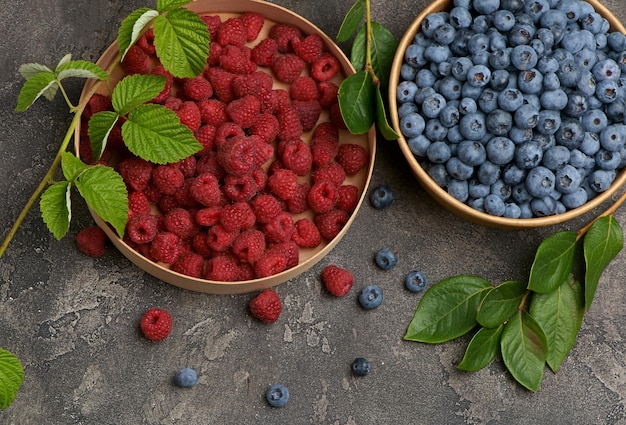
{"type": "Point", "coordinates": [609, 211]}
{"type": "Point", "coordinates": [522, 303]}
{"type": "Point", "coordinates": [368, 43]}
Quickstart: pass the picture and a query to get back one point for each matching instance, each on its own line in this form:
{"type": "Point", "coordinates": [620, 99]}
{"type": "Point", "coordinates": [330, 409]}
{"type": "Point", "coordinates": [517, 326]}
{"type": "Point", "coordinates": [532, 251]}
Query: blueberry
{"type": "Point", "coordinates": [414, 55]}
{"type": "Point", "coordinates": [370, 297]}
{"type": "Point", "coordinates": [520, 194]}
{"type": "Point", "coordinates": [488, 173]}
{"type": "Point", "coordinates": [467, 106]}
{"type": "Point", "coordinates": [361, 366]}
{"type": "Point", "coordinates": [500, 150]}
{"type": "Point", "coordinates": [415, 281]}
{"type": "Point", "coordinates": [500, 79]}
{"type": "Point", "coordinates": [407, 108]}
{"type": "Point", "coordinates": [432, 105]}
{"type": "Point", "coordinates": [528, 155]}
{"type": "Point", "coordinates": [510, 99]}
{"type": "Point", "coordinates": [606, 69]}
{"type": "Point", "coordinates": [607, 160]}
{"type": "Point", "coordinates": [547, 64]}
{"type": "Point", "coordinates": [423, 93]}
{"type": "Point", "coordinates": [556, 157]}
{"type": "Point", "coordinates": [437, 53]}
{"type": "Point", "coordinates": [512, 174]}
{"type": "Point", "coordinates": [418, 145]}
{"type": "Point", "coordinates": [494, 205]}
{"type": "Point", "coordinates": [435, 130]}
{"type": "Point", "coordinates": [459, 46]}
{"type": "Point", "coordinates": [512, 210]}
{"type": "Point", "coordinates": [570, 134]}
{"type": "Point", "coordinates": [431, 22]}
{"type": "Point", "coordinates": [458, 169]}
{"type": "Point", "coordinates": [504, 20]}
{"type": "Point", "coordinates": [406, 91]}
{"type": "Point", "coordinates": [520, 135]}
{"type": "Point", "coordinates": [277, 395]}
{"type": "Point", "coordinates": [574, 42]}
{"type": "Point", "coordinates": [460, 17]}
{"type": "Point", "coordinates": [473, 126]}
{"type": "Point", "coordinates": [594, 121]}
{"type": "Point", "coordinates": [478, 76]}
{"type": "Point", "coordinates": [476, 189]}
{"type": "Point", "coordinates": [577, 104]}
{"type": "Point", "coordinates": [526, 116]}
{"type": "Point", "coordinates": [412, 124]}
{"type": "Point", "coordinates": [458, 189]}
{"type": "Point", "coordinates": [407, 72]}
{"type": "Point", "coordinates": [524, 57]}
{"type": "Point", "coordinates": [486, 7]}
{"type": "Point", "coordinates": [548, 122]}
{"type": "Point", "coordinates": [449, 116]}
{"type": "Point", "coordinates": [425, 78]}
{"type": "Point", "coordinates": [444, 34]}
{"type": "Point", "coordinates": [544, 206]}
{"type": "Point", "coordinates": [568, 179]}
{"type": "Point", "coordinates": [540, 181]}
{"type": "Point", "coordinates": [488, 100]}
{"type": "Point", "coordinates": [590, 143]}
{"type": "Point", "coordinates": [555, 100]}
{"type": "Point", "coordinates": [575, 199]}
{"type": "Point", "coordinates": [381, 197]}
{"type": "Point", "coordinates": [501, 189]}
{"type": "Point", "coordinates": [186, 377]}
{"type": "Point", "coordinates": [612, 138]}
{"type": "Point", "coordinates": [454, 135]}
{"type": "Point", "coordinates": [450, 88]}
{"type": "Point", "coordinates": [521, 33]}
{"type": "Point", "coordinates": [499, 59]}
{"type": "Point", "coordinates": [530, 81]}
{"type": "Point", "coordinates": [386, 258]}
{"type": "Point", "coordinates": [607, 91]}
{"type": "Point", "coordinates": [471, 152]}
{"type": "Point", "coordinates": [536, 8]}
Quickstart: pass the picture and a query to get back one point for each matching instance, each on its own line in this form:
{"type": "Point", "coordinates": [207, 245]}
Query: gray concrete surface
{"type": "Point", "coordinates": [73, 320]}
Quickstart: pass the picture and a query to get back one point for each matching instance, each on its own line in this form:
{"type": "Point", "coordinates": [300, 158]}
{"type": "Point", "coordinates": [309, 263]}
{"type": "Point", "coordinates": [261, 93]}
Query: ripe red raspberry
{"type": "Point", "coordinates": [285, 34]}
{"type": "Point", "coordinates": [253, 24]}
{"type": "Point", "coordinates": [243, 111]}
{"type": "Point", "coordinates": [297, 157]}
{"type": "Point", "coordinates": [327, 129]}
{"type": "Point", "coordinates": [323, 150]}
{"type": "Point", "coordinates": [232, 31]}
{"type": "Point", "coordinates": [188, 166]}
{"type": "Point", "coordinates": [189, 115]}
{"type": "Point", "coordinates": [246, 271]}
{"type": "Point", "coordinates": [264, 53]}
{"type": "Point", "coordinates": [325, 67]}
{"type": "Point", "coordinates": [168, 178]}
{"type": "Point", "coordinates": [237, 60]}
{"type": "Point", "coordinates": [283, 183]}
{"type": "Point", "coordinates": [142, 228]}
{"type": "Point", "coordinates": [328, 92]}
{"type": "Point", "coordinates": [252, 84]}
{"type": "Point", "coordinates": [309, 112]}
{"type": "Point", "coordinates": [209, 216]}
{"type": "Point", "coordinates": [97, 103]}
{"type": "Point", "coordinates": [260, 177]}
{"type": "Point", "coordinates": [136, 172]}
{"type": "Point", "coordinates": [240, 188]}
{"type": "Point", "coordinates": [173, 103]}
{"type": "Point", "coordinates": [289, 124]}
{"type": "Point", "coordinates": [136, 61]}
{"type": "Point", "coordinates": [183, 195]}
{"type": "Point", "coordinates": [138, 203]}
{"type": "Point", "coordinates": [347, 197]}
{"type": "Point", "coordinates": [334, 112]}
{"type": "Point", "coordinates": [249, 245]}
{"type": "Point", "coordinates": [179, 222]}
{"type": "Point", "coordinates": [237, 155]}
{"type": "Point", "coordinates": [215, 51]}
{"type": "Point", "coordinates": [322, 196]}
{"type": "Point", "coordinates": [200, 246]}
{"type": "Point", "coordinates": [146, 42]}
{"type": "Point", "coordinates": [227, 131]}
{"type": "Point", "coordinates": [307, 235]}
{"type": "Point", "coordinates": [265, 207]}
{"type": "Point", "coordinates": [222, 268]}
{"type": "Point", "coordinates": [213, 22]}
{"type": "Point", "coordinates": [310, 48]}
{"type": "Point", "coordinates": [269, 264]}
{"type": "Point", "coordinates": [283, 100]}
{"type": "Point", "coordinates": [167, 203]}
{"type": "Point", "coordinates": [331, 223]}
{"type": "Point", "coordinates": [266, 126]}
{"type": "Point", "coordinates": [213, 112]}
{"type": "Point", "coordinates": [266, 306]}
{"type": "Point", "coordinates": [165, 247]}
{"type": "Point", "coordinates": [221, 81]}
{"type": "Point", "coordinates": [300, 201]}
{"type": "Point", "coordinates": [91, 241]}
{"type": "Point", "coordinates": [220, 239]}
{"type": "Point", "coordinates": [206, 189]}
{"type": "Point", "coordinates": [198, 88]}
{"type": "Point", "coordinates": [190, 264]}
{"type": "Point", "coordinates": [289, 250]}
{"type": "Point", "coordinates": [352, 157]}
{"type": "Point", "coordinates": [332, 172]}
{"type": "Point", "coordinates": [156, 324]}
{"type": "Point", "coordinates": [237, 216]}
{"type": "Point", "coordinates": [337, 280]}
{"type": "Point", "coordinates": [304, 88]}
{"type": "Point", "coordinates": [208, 163]}
{"type": "Point", "coordinates": [287, 67]}
{"type": "Point", "coordinates": [206, 136]}
{"type": "Point", "coordinates": [280, 228]}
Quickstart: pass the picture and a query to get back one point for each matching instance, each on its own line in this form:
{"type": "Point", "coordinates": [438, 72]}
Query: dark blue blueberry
{"type": "Point", "coordinates": [568, 179]}
{"type": "Point", "coordinates": [437, 53]}
{"type": "Point", "coordinates": [481, 24]}
{"type": "Point", "coordinates": [607, 160]}
{"type": "Point", "coordinates": [481, 58]}
{"type": "Point", "coordinates": [449, 116]}
{"type": "Point", "coordinates": [467, 106]}
{"type": "Point", "coordinates": [536, 8]}
{"type": "Point", "coordinates": [504, 20]}
{"type": "Point", "coordinates": [471, 91]}
{"type": "Point", "coordinates": [425, 78]}
{"type": "Point", "coordinates": [444, 34]}
{"type": "Point", "coordinates": [512, 210]}
{"type": "Point", "coordinates": [459, 46]}
{"type": "Point", "coordinates": [500, 150]}
{"type": "Point", "coordinates": [544, 206]}
{"type": "Point", "coordinates": [435, 131]}
{"type": "Point", "coordinates": [499, 122]}
{"type": "Point", "coordinates": [499, 79]}
{"type": "Point", "coordinates": [571, 133]}
{"type": "Point", "coordinates": [500, 59]}
{"type": "Point", "coordinates": [407, 108]}
{"type": "Point", "coordinates": [186, 377]}
{"type": "Point", "coordinates": [546, 141]}
{"type": "Point", "coordinates": [406, 91]}
{"type": "Point", "coordinates": [460, 68]}
{"type": "Point", "coordinates": [555, 100]}
{"type": "Point", "coordinates": [454, 135]}
{"type": "Point", "coordinates": [478, 76]}
{"type": "Point", "coordinates": [438, 173]}
{"type": "Point", "coordinates": [540, 181]}
{"type": "Point", "coordinates": [476, 189]}
{"type": "Point", "coordinates": [512, 174]}
{"type": "Point", "coordinates": [569, 72]}
{"type": "Point", "coordinates": [412, 124]}
{"type": "Point", "coordinates": [592, 22]}
{"type": "Point", "coordinates": [418, 145]}
{"type": "Point", "coordinates": [370, 297]}
{"type": "Point", "coordinates": [514, 6]}
{"type": "Point", "coordinates": [555, 21]}
{"type": "Point", "coordinates": [590, 144]}
{"type": "Point", "coordinates": [277, 395]}
{"type": "Point", "coordinates": [494, 205]}
{"type": "Point", "coordinates": [530, 81]}
{"type": "Point", "coordinates": [488, 100]}
{"type": "Point", "coordinates": [612, 138]}
{"type": "Point", "coordinates": [450, 88]}
{"type": "Point", "coordinates": [616, 111]}
{"type": "Point", "coordinates": [524, 57]}
{"type": "Point", "coordinates": [578, 159]}
{"type": "Point", "coordinates": [407, 72]}
{"type": "Point", "coordinates": [458, 189]}
{"type": "Point", "coordinates": [415, 281]}
{"type": "Point", "coordinates": [386, 258]}
{"type": "Point", "coordinates": [607, 91]}
{"type": "Point", "coordinates": [438, 152]}
{"type": "Point", "coordinates": [586, 59]}
{"type": "Point", "coordinates": [471, 152]}
{"type": "Point", "coordinates": [556, 157]}
{"type": "Point", "coordinates": [586, 84]}
{"type": "Point", "coordinates": [601, 180]}
{"type": "Point", "coordinates": [521, 34]}
{"type": "Point", "coordinates": [571, 8]}
{"type": "Point", "coordinates": [488, 173]}
{"type": "Point", "coordinates": [510, 99]}
{"type": "Point", "coordinates": [606, 69]}
{"type": "Point", "coordinates": [381, 197]}
{"type": "Point", "coordinates": [520, 194]}
{"type": "Point", "coordinates": [431, 22]}
{"type": "Point", "coordinates": [526, 116]}
{"type": "Point", "coordinates": [414, 55]}
{"type": "Point", "coordinates": [458, 169]}
{"type": "Point", "coordinates": [551, 81]}
{"type": "Point", "coordinates": [361, 366]}
{"type": "Point", "coordinates": [520, 135]}
{"type": "Point", "coordinates": [497, 41]}
{"type": "Point", "coordinates": [548, 122]}
{"type": "Point", "coordinates": [575, 199]}
{"type": "Point", "coordinates": [528, 155]}
{"type": "Point", "coordinates": [501, 189]}
{"type": "Point", "coordinates": [432, 105]}
{"type": "Point", "coordinates": [444, 69]}
{"type": "Point", "coordinates": [594, 121]}
{"type": "Point", "coordinates": [486, 7]}
{"type": "Point", "coordinates": [473, 126]}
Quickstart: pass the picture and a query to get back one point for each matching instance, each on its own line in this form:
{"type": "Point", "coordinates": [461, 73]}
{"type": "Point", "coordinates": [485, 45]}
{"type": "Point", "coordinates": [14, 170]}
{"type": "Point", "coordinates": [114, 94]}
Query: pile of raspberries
{"type": "Point", "coordinates": [271, 177]}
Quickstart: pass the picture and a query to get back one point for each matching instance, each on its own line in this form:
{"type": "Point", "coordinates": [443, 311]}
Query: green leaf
{"type": "Point", "coordinates": [603, 241]}
{"type": "Point", "coordinates": [524, 350]}
{"type": "Point", "coordinates": [351, 21]}
{"type": "Point", "coordinates": [55, 205]}
{"type": "Point", "coordinates": [29, 70]}
{"type": "Point", "coordinates": [182, 42]}
{"type": "Point", "coordinates": [482, 349]}
{"type": "Point", "coordinates": [164, 6]}
{"type": "Point", "coordinates": [105, 192]}
{"type": "Point", "coordinates": [135, 90]}
{"type": "Point", "coordinates": [381, 118]}
{"type": "Point", "coordinates": [553, 262]}
{"type": "Point", "coordinates": [11, 377]}
{"type": "Point", "coordinates": [100, 126]}
{"type": "Point", "coordinates": [42, 84]}
{"type": "Point", "coordinates": [383, 49]}
{"type": "Point", "coordinates": [448, 309]}
{"type": "Point", "coordinates": [65, 59]}
{"type": "Point", "coordinates": [357, 97]}
{"type": "Point", "coordinates": [500, 304]}
{"type": "Point", "coordinates": [155, 134]}
{"type": "Point", "coordinates": [358, 52]}
{"type": "Point", "coordinates": [560, 315]}
{"type": "Point", "coordinates": [131, 27]}
{"type": "Point", "coordinates": [80, 69]}
{"type": "Point", "coordinates": [72, 166]}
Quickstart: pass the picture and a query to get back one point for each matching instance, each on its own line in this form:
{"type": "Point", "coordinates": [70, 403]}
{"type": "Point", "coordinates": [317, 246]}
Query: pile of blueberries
{"type": "Point", "coordinates": [516, 107]}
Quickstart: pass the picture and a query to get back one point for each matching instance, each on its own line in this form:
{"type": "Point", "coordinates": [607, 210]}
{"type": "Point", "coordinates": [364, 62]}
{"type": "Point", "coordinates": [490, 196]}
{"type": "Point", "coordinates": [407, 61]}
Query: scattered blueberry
{"type": "Point", "coordinates": [386, 258]}
{"type": "Point", "coordinates": [277, 395]}
{"type": "Point", "coordinates": [361, 366]}
{"type": "Point", "coordinates": [415, 281]}
{"type": "Point", "coordinates": [370, 297]}
{"type": "Point", "coordinates": [186, 377]}
{"type": "Point", "coordinates": [381, 197]}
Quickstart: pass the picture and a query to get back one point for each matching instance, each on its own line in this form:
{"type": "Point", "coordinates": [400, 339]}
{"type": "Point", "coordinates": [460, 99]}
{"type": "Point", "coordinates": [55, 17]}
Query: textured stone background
{"type": "Point", "coordinates": [73, 320]}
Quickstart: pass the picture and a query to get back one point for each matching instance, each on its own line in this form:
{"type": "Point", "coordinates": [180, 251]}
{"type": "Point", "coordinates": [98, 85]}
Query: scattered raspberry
{"type": "Point", "coordinates": [288, 67]}
{"type": "Point", "coordinates": [347, 197]}
{"type": "Point", "coordinates": [237, 216]}
{"type": "Point", "coordinates": [323, 150]}
{"type": "Point", "coordinates": [213, 22]}
{"type": "Point", "coordinates": [280, 228]}
{"type": "Point", "coordinates": [198, 88]}
{"type": "Point", "coordinates": [179, 222]}
{"type": "Point", "coordinates": [240, 188]}
{"type": "Point", "coordinates": [136, 172]}
{"type": "Point", "coordinates": [138, 203]}
{"type": "Point", "coordinates": [165, 247]}
{"type": "Point", "coordinates": [307, 235]}
{"type": "Point", "coordinates": [304, 88]}
{"type": "Point", "coordinates": [189, 115]}
{"type": "Point", "coordinates": [297, 157]}
{"type": "Point", "coordinates": [237, 60]}
{"type": "Point", "coordinates": [285, 34]}
{"type": "Point", "coordinates": [322, 196]}
{"type": "Point", "coordinates": [289, 124]}
{"type": "Point", "coordinates": [206, 136]}
{"type": "Point", "coordinates": [264, 53]}
{"type": "Point", "coordinates": [237, 155]}
{"type": "Point", "coordinates": [220, 239]}
{"type": "Point", "coordinates": [300, 201]}
{"type": "Point", "coordinates": [283, 183]}
{"type": "Point", "coordinates": [168, 179]}
{"type": "Point", "coordinates": [309, 112]}
{"type": "Point", "coordinates": [91, 241]}
{"type": "Point", "coordinates": [337, 280]}
{"type": "Point", "coordinates": [156, 324]}
{"type": "Point", "coordinates": [232, 31]}
{"type": "Point", "coordinates": [331, 223]}
{"type": "Point", "coordinates": [146, 42]}
{"type": "Point", "coordinates": [190, 264]}
{"type": "Point", "coordinates": [243, 111]}
{"type": "Point", "coordinates": [266, 126]}
{"type": "Point", "coordinates": [253, 24]}
{"type": "Point", "coordinates": [270, 263]}
{"type": "Point", "coordinates": [142, 228]}
{"type": "Point", "coordinates": [332, 172]}
{"type": "Point", "coordinates": [310, 48]}
{"type": "Point", "coordinates": [289, 250]}
{"type": "Point", "coordinates": [352, 157]}
{"type": "Point", "coordinates": [324, 68]}
{"type": "Point", "coordinates": [328, 92]}
{"type": "Point", "coordinates": [249, 245]}
{"type": "Point", "coordinates": [221, 81]}
{"type": "Point", "coordinates": [136, 61]}
{"type": "Point", "coordinates": [213, 112]}
{"type": "Point", "coordinates": [222, 268]}
{"type": "Point", "coordinates": [209, 216]}
{"type": "Point", "coordinates": [227, 131]}
{"type": "Point", "coordinates": [265, 207]}
{"type": "Point", "coordinates": [252, 84]}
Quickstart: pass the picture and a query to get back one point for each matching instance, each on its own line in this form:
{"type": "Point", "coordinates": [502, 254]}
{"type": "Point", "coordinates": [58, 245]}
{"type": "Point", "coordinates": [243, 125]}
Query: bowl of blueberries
{"type": "Point", "coordinates": [512, 113]}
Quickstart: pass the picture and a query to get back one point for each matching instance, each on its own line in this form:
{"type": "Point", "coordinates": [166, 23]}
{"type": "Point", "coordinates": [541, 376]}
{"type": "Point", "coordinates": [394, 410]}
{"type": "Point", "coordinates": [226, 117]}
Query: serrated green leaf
{"type": "Point", "coordinates": [42, 84]}
{"type": "Point", "coordinates": [105, 192]}
{"type": "Point", "coordinates": [602, 242]}
{"type": "Point", "coordinates": [155, 134]}
{"type": "Point", "coordinates": [127, 33]}
{"type": "Point", "coordinates": [56, 208]}
{"type": "Point", "coordinates": [351, 21]}
{"type": "Point", "coordinates": [135, 90]}
{"type": "Point", "coordinates": [482, 349]}
{"type": "Point", "coordinates": [65, 59]}
{"type": "Point", "coordinates": [448, 309]}
{"type": "Point", "coordinates": [560, 315]}
{"type": "Point", "coordinates": [72, 166]}
{"type": "Point", "coordinates": [357, 100]}
{"type": "Point", "coordinates": [80, 69]}
{"type": "Point", "coordinates": [381, 118]}
{"type": "Point", "coordinates": [164, 6]}
{"type": "Point", "coordinates": [29, 70]}
{"type": "Point", "coordinates": [553, 262]}
{"type": "Point", "coordinates": [524, 350]}
{"type": "Point", "coordinates": [500, 304]}
{"type": "Point", "coordinates": [182, 42]}
{"type": "Point", "coordinates": [11, 377]}
{"type": "Point", "coordinates": [100, 126]}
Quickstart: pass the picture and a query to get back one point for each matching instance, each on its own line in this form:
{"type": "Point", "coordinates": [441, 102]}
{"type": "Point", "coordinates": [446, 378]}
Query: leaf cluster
{"type": "Point", "coordinates": [528, 324]}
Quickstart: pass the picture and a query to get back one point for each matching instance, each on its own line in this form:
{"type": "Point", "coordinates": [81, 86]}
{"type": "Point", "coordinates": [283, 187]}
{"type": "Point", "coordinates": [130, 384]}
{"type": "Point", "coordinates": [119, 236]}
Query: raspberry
{"type": "Point", "coordinates": [237, 60]}
{"type": "Point", "coordinates": [266, 126]}
{"type": "Point", "coordinates": [283, 99]}
{"type": "Point", "coordinates": [206, 136]}
{"type": "Point", "coordinates": [309, 112]}
{"type": "Point", "coordinates": [220, 239]}
{"type": "Point", "coordinates": [173, 103]}
{"type": "Point", "coordinates": [165, 247]}
{"type": "Point", "coordinates": [269, 264]}
{"type": "Point", "coordinates": [260, 177]}
{"type": "Point", "coordinates": [325, 67]}
{"type": "Point", "coordinates": [221, 81]}
{"type": "Point", "coordinates": [331, 223]}
{"type": "Point", "coordinates": [269, 101]}
{"type": "Point", "coordinates": [263, 150]}
{"type": "Point", "coordinates": [237, 216]}
{"type": "Point", "coordinates": [168, 179]}
{"type": "Point", "coordinates": [188, 166]}
{"type": "Point", "coordinates": [335, 116]}
{"type": "Point", "coordinates": [190, 264]}
{"type": "Point", "coordinates": [288, 67]}
{"type": "Point", "coordinates": [200, 246]}
{"type": "Point", "coordinates": [142, 228]}
{"type": "Point", "coordinates": [297, 157]}
{"type": "Point", "coordinates": [215, 51]}
{"type": "Point", "coordinates": [285, 34]}
{"type": "Point", "coordinates": [146, 42]}
{"type": "Point", "coordinates": [243, 111]}
{"type": "Point", "coordinates": [169, 82]}
{"type": "Point", "coordinates": [213, 22]}
{"type": "Point", "coordinates": [283, 183]}
{"type": "Point", "coordinates": [352, 157]}
{"type": "Point", "coordinates": [213, 112]}
{"type": "Point", "coordinates": [279, 229]}
{"type": "Point", "coordinates": [300, 201]}
{"type": "Point", "coordinates": [97, 103]}
{"type": "Point", "coordinates": [136, 172]}
{"type": "Point", "coordinates": [206, 189]}
{"type": "Point", "coordinates": [91, 241]}
{"type": "Point", "coordinates": [156, 324]}
{"type": "Point", "coordinates": [189, 115]}
{"type": "Point", "coordinates": [246, 271]}
{"type": "Point", "coordinates": [240, 188]}
{"type": "Point", "coordinates": [179, 222]}
{"type": "Point", "coordinates": [304, 88]}
{"type": "Point", "coordinates": [289, 250]}
{"type": "Point", "coordinates": [138, 204]}
{"type": "Point", "coordinates": [327, 129]}
{"type": "Point", "coordinates": [264, 53]}
{"type": "Point", "coordinates": [152, 193]}
{"type": "Point", "coordinates": [249, 245]}
{"type": "Point", "coordinates": [209, 216]}
{"type": "Point", "coordinates": [227, 131]}
{"type": "Point", "coordinates": [265, 207]}
{"type": "Point", "coordinates": [198, 88]}
{"type": "Point", "coordinates": [328, 92]}
{"type": "Point", "coordinates": [307, 235]}
{"type": "Point", "coordinates": [237, 155]}
{"type": "Point", "coordinates": [253, 24]}
{"type": "Point", "coordinates": [136, 61]}
{"type": "Point", "coordinates": [289, 124]}
{"type": "Point", "coordinates": [332, 172]}
{"type": "Point", "coordinates": [337, 280]}
{"type": "Point", "coordinates": [322, 196]}
{"type": "Point", "coordinates": [232, 31]}
{"type": "Point", "coordinates": [310, 48]}
{"type": "Point", "coordinates": [323, 150]}
{"type": "Point", "coordinates": [221, 268]}
{"type": "Point", "coordinates": [347, 197]}
{"type": "Point", "coordinates": [208, 163]}
{"type": "Point", "coordinates": [167, 203]}
{"type": "Point", "coordinates": [252, 84]}
{"type": "Point", "coordinates": [183, 196]}
{"type": "Point", "coordinates": [266, 306]}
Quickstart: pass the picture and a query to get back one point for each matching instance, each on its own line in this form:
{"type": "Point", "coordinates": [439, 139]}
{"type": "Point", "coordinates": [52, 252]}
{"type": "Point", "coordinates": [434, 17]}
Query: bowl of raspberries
{"type": "Point", "coordinates": [279, 178]}
{"type": "Point", "coordinates": [512, 112]}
